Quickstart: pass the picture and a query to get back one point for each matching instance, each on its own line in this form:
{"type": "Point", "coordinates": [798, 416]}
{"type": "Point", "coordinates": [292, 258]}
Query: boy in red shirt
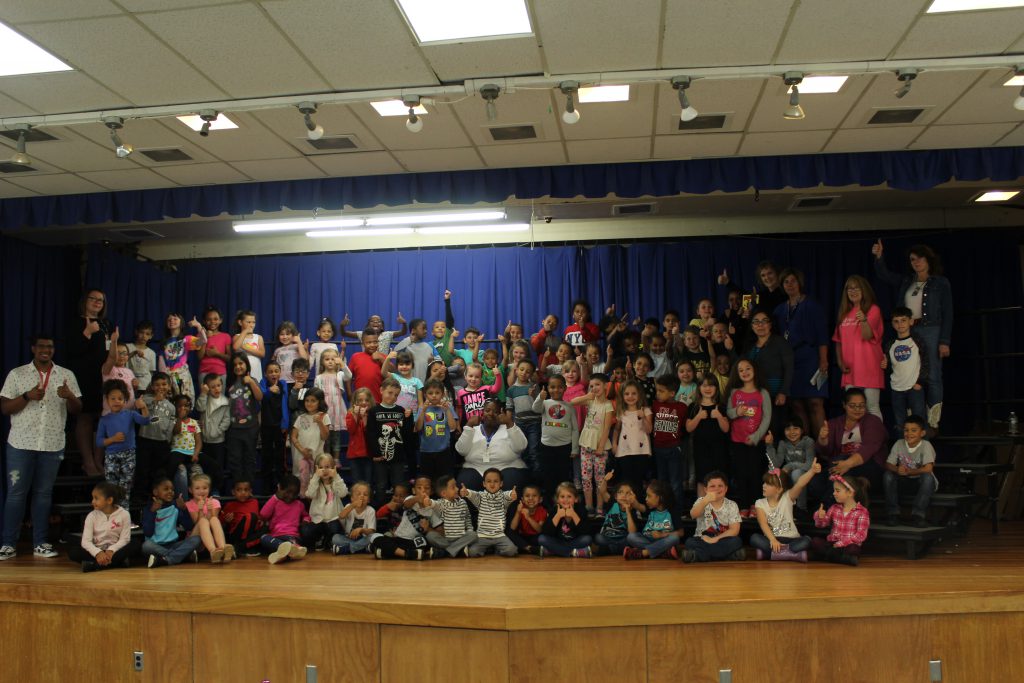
{"type": "Point", "coordinates": [526, 519]}
{"type": "Point", "coordinates": [241, 520]}
{"type": "Point", "coordinates": [669, 432]}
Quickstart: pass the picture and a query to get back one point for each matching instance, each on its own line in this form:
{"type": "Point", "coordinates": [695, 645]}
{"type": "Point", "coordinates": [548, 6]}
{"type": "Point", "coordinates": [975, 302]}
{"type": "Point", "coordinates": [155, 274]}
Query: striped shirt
{"type": "Point", "coordinates": [455, 517]}
{"type": "Point", "coordinates": [490, 521]}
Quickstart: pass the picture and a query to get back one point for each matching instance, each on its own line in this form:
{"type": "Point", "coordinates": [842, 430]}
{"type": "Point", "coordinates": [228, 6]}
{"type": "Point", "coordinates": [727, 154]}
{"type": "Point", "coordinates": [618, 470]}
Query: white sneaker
{"type": "Point", "coordinates": [8, 552]}
{"type": "Point", "coordinates": [280, 554]}
{"type": "Point", "coordinates": [934, 415]}
{"type": "Point", "coordinates": [44, 550]}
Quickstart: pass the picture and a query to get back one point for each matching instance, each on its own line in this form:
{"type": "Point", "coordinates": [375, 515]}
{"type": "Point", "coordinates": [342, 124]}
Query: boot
{"type": "Point", "coordinates": [786, 555]}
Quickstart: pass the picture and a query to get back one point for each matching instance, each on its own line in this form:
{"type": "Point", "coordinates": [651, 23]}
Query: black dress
{"type": "Point", "coordinates": [85, 358]}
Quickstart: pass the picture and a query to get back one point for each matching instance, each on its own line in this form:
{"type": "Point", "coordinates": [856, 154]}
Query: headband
{"type": "Point", "coordinates": [838, 478]}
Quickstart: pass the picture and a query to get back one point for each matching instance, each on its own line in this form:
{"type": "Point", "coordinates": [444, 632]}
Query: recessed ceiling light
{"type": "Point", "coordinates": [604, 93]}
{"type": "Point", "coordinates": [19, 55]}
{"type": "Point", "coordinates": [968, 5]}
{"type": "Point", "coordinates": [1016, 81]}
{"type": "Point", "coordinates": [222, 122]}
{"type": "Point", "coordinates": [435, 21]}
{"type": "Point", "coordinates": [397, 108]}
{"type": "Point", "coordinates": [997, 196]}
{"type": "Point", "coordinates": [816, 85]}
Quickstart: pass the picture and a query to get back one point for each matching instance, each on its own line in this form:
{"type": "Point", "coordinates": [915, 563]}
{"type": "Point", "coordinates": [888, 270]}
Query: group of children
{"type": "Point", "coordinates": [674, 407]}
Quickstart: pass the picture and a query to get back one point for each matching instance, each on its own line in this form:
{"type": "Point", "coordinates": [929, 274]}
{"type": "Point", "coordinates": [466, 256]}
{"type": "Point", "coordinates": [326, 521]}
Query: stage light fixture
{"type": "Point", "coordinates": [314, 131]}
{"type": "Point", "coordinates": [116, 123]}
{"type": "Point", "coordinates": [569, 88]}
{"type": "Point", "coordinates": [20, 157]}
{"type": "Point", "coordinates": [208, 116]}
{"type": "Point", "coordinates": [414, 124]}
{"type": "Point", "coordinates": [490, 93]}
{"type": "Point", "coordinates": [794, 112]}
{"type": "Point", "coordinates": [906, 76]}
{"type": "Point", "coordinates": [687, 112]}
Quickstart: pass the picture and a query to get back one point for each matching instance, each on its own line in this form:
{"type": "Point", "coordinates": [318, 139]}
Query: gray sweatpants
{"type": "Point", "coordinates": [452, 545]}
{"type": "Point", "coordinates": [501, 544]}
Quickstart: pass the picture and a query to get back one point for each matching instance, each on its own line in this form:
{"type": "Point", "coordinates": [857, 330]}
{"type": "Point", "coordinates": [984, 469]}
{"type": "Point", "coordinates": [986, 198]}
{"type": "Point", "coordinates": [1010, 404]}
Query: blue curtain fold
{"type": "Point", "coordinates": [903, 170]}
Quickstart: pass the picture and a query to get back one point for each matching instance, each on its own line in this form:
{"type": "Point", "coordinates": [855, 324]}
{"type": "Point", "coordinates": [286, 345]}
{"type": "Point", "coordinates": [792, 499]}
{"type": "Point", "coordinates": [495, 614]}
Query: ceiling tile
{"type": "Point", "coordinates": [50, 92]}
{"type": "Point", "coordinates": [975, 135]}
{"type": "Point", "coordinates": [933, 91]}
{"type": "Point", "coordinates": [989, 101]}
{"type": "Point", "coordinates": [611, 35]}
{"type": "Point", "coordinates": [440, 128]}
{"type": "Point", "coordinates": [803, 142]}
{"type": "Point", "coordinates": [723, 33]}
{"type": "Point", "coordinates": [822, 110]}
{"type": "Point", "coordinates": [523, 107]}
{"type": "Point", "coordinates": [251, 140]}
{"type": "Point", "coordinates": [875, 139]}
{"type": "Point", "coordinates": [278, 169]}
{"type": "Point", "coordinates": [345, 42]}
{"type": "Point", "coordinates": [135, 64]}
{"type": "Point", "coordinates": [238, 48]}
{"type": "Point", "coordinates": [8, 190]}
{"type": "Point", "coordinates": [612, 119]}
{"type": "Point", "coordinates": [1015, 138]}
{"type": "Point", "coordinates": [696, 145]}
{"type": "Point", "coordinates": [18, 11]}
{"type": "Point", "coordinates": [524, 154]}
{"type": "Point", "coordinates": [962, 33]}
{"type": "Point", "coordinates": [202, 174]}
{"type": "Point", "coordinates": [63, 183]}
{"type": "Point", "coordinates": [830, 31]}
{"type": "Point", "coordinates": [158, 5]}
{"type": "Point", "coordinates": [336, 120]}
{"type": "Point", "coordinates": [11, 107]}
{"type": "Point", "coordinates": [129, 179]}
{"type": "Point", "coordinates": [421, 160]}
{"type": "Point", "coordinates": [735, 98]}
{"type": "Point", "coordinates": [596, 151]}
{"type": "Point", "coordinates": [357, 163]}
{"type": "Point", "coordinates": [500, 57]}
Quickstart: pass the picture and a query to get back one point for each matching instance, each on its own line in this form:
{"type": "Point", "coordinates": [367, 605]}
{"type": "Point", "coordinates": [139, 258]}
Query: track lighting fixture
{"type": "Point", "coordinates": [906, 76]}
{"type": "Point", "coordinates": [208, 116]}
{"type": "Point", "coordinates": [490, 93]}
{"type": "Point", "coordinates": [569, 88]}
{"type": "Point", "coordinates": [116, 123]}
{"type": "Point", "coordinates": [687, 111]}
{"type": "Point", "coordinates": [794, 112]}
{"type": "Point", "coordinates": [414, 124]}
{"type": "Point", "coordinates": [314, 131]}
{"type": "Point", "coordinates": [20, 157]}
{"type": "Point", "coordinates": [1018, 103]}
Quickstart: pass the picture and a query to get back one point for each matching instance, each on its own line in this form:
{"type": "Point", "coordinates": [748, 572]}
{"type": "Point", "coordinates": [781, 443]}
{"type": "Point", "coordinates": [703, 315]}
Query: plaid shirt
{"type": "Point", "coordinates": [847, 528]}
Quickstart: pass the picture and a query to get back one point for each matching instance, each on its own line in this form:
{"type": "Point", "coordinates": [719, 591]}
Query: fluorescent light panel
{"type": "Point", "coordinates": [997, 196]}
{"type": "Point", "coordinates": [195, 123]}
{"type": "Point", "coordinates": [969, 5]}
{"type": "Point", "coordinates": [459, 229]}
{"type": "Point", "coordinates": [1015, 82]}
{"type": "Point", "coordinates": [19, 55]}
{"type": "Point", "coordinates": [421, 218]}
{"type": "Point", "coordinates": [397, 108]}
{"type": "Point", "coordinates": [604, 93]}
{"type": "Point", "coordinates": [296, 224]}
{"type": "Point", "coordinates": [366, 232]}
{"type": "Point", "coordinates": [436, 21]}
{"type": "Point", "coordinates": [817, 85]}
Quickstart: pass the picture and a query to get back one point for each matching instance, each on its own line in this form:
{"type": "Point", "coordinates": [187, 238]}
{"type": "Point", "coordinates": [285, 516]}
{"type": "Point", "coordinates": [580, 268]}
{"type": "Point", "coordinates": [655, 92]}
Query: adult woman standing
{"type": "Point", "coordinates": [494, 442]}
{"type": "Point", "coordinates": [801, 322]}
{"type": "Point", "coordinates": [858, 339]}
{"type": "Point", "coordinates": [929, 297]}
{"type": "Point", "coordinates": [774, 360]}
{"type": "Point", "coordinates": [87, 348]}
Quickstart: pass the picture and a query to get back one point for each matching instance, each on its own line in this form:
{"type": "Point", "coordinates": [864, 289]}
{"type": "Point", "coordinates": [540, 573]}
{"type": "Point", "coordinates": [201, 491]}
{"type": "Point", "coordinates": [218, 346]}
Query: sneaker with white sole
{"type": "Point", "coordinates": [935, 415]}
{"type": "Point", "coordinates": [8, 552]}
{"type": "Point", "coordinates": [297, 552]}
{"type": "Point", "coordinates": [44, 550]}
{"type": "Point", "coordinates": [280, 554]}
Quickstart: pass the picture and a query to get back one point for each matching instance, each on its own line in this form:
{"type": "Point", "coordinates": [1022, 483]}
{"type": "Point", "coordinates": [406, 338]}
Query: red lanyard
{"type": "Point", "coordinates": [44, 377]}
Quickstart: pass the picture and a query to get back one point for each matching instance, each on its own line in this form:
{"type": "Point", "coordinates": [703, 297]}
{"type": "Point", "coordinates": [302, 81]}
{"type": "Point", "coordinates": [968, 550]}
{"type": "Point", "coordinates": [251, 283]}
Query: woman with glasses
{"type": "Point", "coordinates": [858, 339]}
{"type": "Point", "coordinates": [774, 360]}
{"type": "Point", "coordinates": [87, 349]}
{"type": "Point", "coordinates": [801, 322]}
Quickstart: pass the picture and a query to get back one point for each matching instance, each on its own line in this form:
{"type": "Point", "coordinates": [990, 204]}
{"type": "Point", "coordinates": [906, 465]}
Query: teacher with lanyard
{"type": "Point", "coordinates": [929, 297]}
{"type": "Point", "coordinates": [492, 440]}
{"type": "Point", "coordinates": [37, 397]}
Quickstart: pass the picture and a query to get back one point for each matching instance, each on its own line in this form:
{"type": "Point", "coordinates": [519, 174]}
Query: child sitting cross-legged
{"type": "Point", "coordinates": [358, 522]}
{"type": "Point", "coordinates": [241, 520]}
{"type": "Point", "coordinates": [779, 539]}
{"type": "Point", "coordinates": [283, 513]}
{"type": "Point", "coordinates": [566, 533]}
{"type": "Point", "coordinates": [526, 520]}
{"type": "Point", "coordinates": [611, 540]}
{"type": "Point", "coordinates": [106, 536]}
{"type": "Point", "coordinates": [849, 520]}
{"type": "Point", "coordinates": [457, 534]}
{"type": "Point", "coordinates": [160, 521]}
{"type": "Point", "coordinates": [410, 536]}
{"type": "Point", "coordinates": [658, 538]}
{"type": "Point", "coordinates": [718, 524]}
{"type": "Point", "coordinates": [490, 525]}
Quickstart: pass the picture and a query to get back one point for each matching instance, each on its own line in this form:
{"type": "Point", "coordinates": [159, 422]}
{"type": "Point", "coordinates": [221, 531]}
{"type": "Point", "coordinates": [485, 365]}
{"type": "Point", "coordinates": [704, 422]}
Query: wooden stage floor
{"type": "Point", "coordinates": [972, 584]}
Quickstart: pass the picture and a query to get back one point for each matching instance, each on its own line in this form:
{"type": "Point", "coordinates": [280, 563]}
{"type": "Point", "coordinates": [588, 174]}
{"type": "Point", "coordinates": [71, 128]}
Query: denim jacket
{"type": "Point", "coordinates": [936, 298]}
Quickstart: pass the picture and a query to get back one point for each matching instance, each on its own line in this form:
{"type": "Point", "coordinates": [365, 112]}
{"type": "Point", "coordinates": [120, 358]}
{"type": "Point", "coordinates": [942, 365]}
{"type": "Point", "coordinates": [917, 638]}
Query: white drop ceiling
{"type": "Point", "coordinates": [138, 53]}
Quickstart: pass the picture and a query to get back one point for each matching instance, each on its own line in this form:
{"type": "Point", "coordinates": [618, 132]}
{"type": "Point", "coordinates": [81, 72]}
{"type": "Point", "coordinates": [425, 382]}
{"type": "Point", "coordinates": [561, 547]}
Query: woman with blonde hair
{"type": "Point", "coordinates": [858, 338]}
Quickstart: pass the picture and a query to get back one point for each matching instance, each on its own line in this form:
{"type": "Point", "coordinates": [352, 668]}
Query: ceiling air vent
{"type": "Point", "coordinates": [334, 143]}
{"type": "Point", "coordinates": [890, 116]}
{"type": "Point", "coordinates": [31, 135]}
{"type": "Point", "coordinates": [137, 233]}
{"type": "Point", "coordinates": [506, 133]}
{"type": "Point", "coordinates": [634, 209]}
{"type": "Point", "coordinates": [813, 203]}
{"type": "Point", "coordinates": [163, 156]}
{"type": "Point", "coordinates": [8, 167]}
{"type": "Point", "coordinates": [704, 122]}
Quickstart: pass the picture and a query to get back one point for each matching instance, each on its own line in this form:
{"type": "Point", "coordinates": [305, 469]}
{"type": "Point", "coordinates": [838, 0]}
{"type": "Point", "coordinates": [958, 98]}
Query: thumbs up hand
{"type": "Point", "coordinates": [876, 249]}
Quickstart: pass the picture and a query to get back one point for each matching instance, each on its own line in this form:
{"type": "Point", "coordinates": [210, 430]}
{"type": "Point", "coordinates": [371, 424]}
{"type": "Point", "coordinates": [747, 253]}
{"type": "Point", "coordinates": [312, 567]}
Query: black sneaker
{"type": "Point", "coordinates": [89, 566]}
{"type": "Point", "coordinates": [851, 560]}
{"type": "Point", "coordinates": [157, 561]}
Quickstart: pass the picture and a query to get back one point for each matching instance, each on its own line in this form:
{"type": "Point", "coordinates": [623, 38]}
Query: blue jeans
{"type": "Point", "coordinates": [923, 486]}
{"type": "Point", "coordinates": [930, 336]}
{"type": "Point", "coordinates": [532, 453]}
{"type": "Point", "coordinates": [655, 546]}
{"type": "Point", "coordinates": [669, 463]}
{"type": "Point", "coordinates": [174, 553]}
{"type": "Point", "coordinates": [33, 471]}
{"type": "Point", "coordinates": [269, 543]}
{"type": "Point", "coordinates": [901, 400]}
{"type": "Point", "coordinates": [706, 552]}
{"type": "Point", "coordinates": [611, 546]}
{"type": "Point", "coordinates": [557, 546]}
{"type": "Point", "coordinates": [354, 546]}
{"type": "Point", "coordinates": [761, 542]}
{"type": "Point", "coordinates": [362, 470]}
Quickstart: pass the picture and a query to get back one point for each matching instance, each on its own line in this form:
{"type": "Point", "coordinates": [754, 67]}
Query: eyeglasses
{"type": "Point", "coordinates": [759, 321]}
{"type": "Point", "coordinates": [98, 299]}
{"type": "Point", "coordinates": [853, 289]}
{"type": "Point", "coordinates": [856, 406]}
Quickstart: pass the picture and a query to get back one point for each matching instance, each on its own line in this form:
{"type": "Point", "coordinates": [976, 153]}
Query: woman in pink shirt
{"type": "Point", "coordinates": [858, 339]}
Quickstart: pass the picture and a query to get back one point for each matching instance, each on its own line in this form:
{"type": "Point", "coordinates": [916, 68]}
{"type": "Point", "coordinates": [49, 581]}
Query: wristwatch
{"type": "Point", "coordinates": [25, 396]}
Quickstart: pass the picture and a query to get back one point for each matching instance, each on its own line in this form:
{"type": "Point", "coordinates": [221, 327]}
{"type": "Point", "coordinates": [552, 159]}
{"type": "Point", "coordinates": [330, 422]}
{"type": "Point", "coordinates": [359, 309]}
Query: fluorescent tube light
{"type": "Point", "coordinates": [1016, 81]}
{"type": "Point", "coordinates": [371, 232]}
{"type": "Point", "coordinates": [817, 85]}
{"type": "Point", "coordinates": [968, 5]}
{"type": "Point", "coordinates": [434, 217]}
{"type": "Point", "coordinates": [296, 224]}
{"type": "Point", "coordinates": [461, 229]}
{"type": "Point", "coordinates": [222, 122]}
{"type": "Point", "coordinates": [397, 108]}
{"type": "Point", "coordinates": [604, 93]}
{"type": "Point", "coordinates": [19, 55]}
{"type": "Point", "coordinates": [997, 196]}
{"type": "Point", "coordinates": [436, 21]}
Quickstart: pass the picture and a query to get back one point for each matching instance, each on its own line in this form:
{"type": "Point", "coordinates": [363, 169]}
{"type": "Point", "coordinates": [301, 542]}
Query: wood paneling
{"type": "Point", "coordinates": [231, 648]}
{"type": "Point", "coordinates": [595, 655]}
{"type": "Point", "coordinates": [415, 653]}
{"type": "Point", "coordinates": [978, 647]}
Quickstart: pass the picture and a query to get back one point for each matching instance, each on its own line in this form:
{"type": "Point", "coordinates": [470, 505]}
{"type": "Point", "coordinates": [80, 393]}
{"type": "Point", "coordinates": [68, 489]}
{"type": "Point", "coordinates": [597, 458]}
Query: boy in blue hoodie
{"type": "Point", "coordinates": [160, 521]}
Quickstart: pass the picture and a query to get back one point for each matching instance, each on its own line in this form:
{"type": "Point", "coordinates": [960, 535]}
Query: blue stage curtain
{"type": "Point", "coordinates": [903, 170]}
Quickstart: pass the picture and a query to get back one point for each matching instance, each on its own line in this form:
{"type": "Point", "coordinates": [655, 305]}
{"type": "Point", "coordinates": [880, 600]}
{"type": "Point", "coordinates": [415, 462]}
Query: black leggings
{"type": "Point", "coordinates": [77, 553]}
